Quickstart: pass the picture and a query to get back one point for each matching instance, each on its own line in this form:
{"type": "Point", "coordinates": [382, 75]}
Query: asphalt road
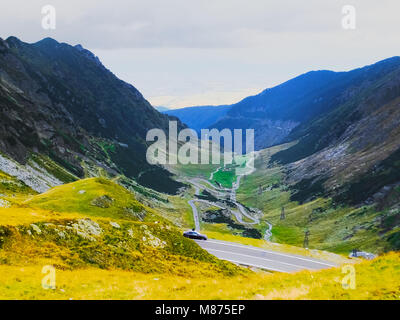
{"type": "Point", "coordinates": [261, 258]}
{"type": "Point", "coordinates": [195, 215]}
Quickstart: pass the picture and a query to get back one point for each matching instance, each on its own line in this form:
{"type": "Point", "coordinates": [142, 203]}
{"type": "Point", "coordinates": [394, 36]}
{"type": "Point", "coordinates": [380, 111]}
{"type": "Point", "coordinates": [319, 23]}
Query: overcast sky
{"type": "Point", "coordinates": [194, 52]}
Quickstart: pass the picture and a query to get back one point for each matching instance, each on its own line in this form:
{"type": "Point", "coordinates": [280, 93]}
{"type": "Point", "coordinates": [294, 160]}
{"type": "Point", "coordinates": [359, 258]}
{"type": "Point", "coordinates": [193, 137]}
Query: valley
{"type": "Point", "coordinates": [78, 194]}
{"type": "Point", "coordinates": [257, 199]}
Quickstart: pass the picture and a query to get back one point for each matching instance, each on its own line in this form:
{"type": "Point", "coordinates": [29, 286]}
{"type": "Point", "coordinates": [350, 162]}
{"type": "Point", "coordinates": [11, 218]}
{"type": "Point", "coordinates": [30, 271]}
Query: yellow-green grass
{"type": "Point", "coordinates": [92, 197]}
{"type": "Point", "coordinates": [72, 244]}
{"type": "Point", "coordinates": [227, 175]}
{"type": "Point", "coordinates": [73, 229]}
{"type": "Point", "coordinates": [84, 198]}
{"type": "Point", "coordinates": [217, 228]}
{"type": "Point", "coordinates": [252, 191]}
{"type": "Point", "coordinates": [15, 215]}
{"type": "Point", "coordinates": [178, 211]}
{"type": "Point", "coordinates": [377, 279]}
{"type": "Point", "coordinates": [224, 229]}
{"type": "Point", "coordinates": [252, 187]}
{"type": "Point", "coordinates": [204, 170]}
{"type": "Point", "coordinates": [130, 259]}
{"type": "Point", "coordinates": [199, 170]}
{"type": "Point", "coordinates": [337, 229]}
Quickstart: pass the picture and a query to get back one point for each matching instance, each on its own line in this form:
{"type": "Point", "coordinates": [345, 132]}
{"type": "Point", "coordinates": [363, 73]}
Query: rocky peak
{"type": "Point", "coordinates": [13, 41]}
{"type": "Point", "coordinates": [3, 45]}
{"type": "Point", "coordinates": [47, 42]}
{"type": "Point", "coordinates": [89, 55]}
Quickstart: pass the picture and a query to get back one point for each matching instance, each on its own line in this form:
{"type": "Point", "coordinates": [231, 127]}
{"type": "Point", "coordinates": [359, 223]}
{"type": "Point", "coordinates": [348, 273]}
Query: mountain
{"type": "Point", "coordinates": [60, 105]}
{"type": "Point", "coordinates": [331, 116]}
{"type": "Point", "coordinates": [352, 152]}
{"type": "Point", "coordinates": [346, 126]}
{"type": "Point", "coordinates": [161, 109]}
{"type": "Point", "coordinates": [334, 181]}
{"type": "Point", "coordinates": [200, 117]}
{"type": "Point", "coordinates": [276, 112]}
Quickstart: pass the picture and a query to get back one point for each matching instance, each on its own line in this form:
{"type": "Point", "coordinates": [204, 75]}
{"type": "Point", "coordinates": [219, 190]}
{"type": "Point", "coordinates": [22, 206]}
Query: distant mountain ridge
{"type": "Point", "coordinates": [276, 112]}
{"type": "Point", "coordinates": [200, 117]}
{"type": "Point", "coordinates": [161, 108]}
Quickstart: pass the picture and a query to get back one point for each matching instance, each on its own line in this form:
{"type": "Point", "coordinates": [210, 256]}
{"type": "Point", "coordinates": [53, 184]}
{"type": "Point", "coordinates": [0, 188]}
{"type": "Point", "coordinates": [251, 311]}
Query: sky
{"type": "Point", "coordinates": [182, 53]}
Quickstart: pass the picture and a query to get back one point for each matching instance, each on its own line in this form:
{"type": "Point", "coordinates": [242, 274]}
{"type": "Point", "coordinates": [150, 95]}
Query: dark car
{"type": "Point", "coordinates": [194, 235]}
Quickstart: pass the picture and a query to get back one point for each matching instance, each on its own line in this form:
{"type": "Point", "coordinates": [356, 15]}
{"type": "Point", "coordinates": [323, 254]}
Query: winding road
{"type": "Point", "coordinates": [219, 192]}
{"type": "Point", "coordinates": [243, 254]}
{"type": "Point", "coordinates": [262, 258]}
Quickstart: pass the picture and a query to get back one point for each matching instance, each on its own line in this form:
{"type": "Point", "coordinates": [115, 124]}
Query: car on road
{"type": "Point", "coordinates": [194, 235]}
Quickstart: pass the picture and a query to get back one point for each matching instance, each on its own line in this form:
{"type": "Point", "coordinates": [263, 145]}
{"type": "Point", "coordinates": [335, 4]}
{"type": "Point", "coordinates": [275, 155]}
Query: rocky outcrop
{"type": "Point", "coordinates": [31, 174]}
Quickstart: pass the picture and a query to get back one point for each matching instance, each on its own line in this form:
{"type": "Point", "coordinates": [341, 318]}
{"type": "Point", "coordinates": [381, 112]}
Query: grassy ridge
{"type": "Point", "coordinates": [93, 197]}
{"type": "Point", "coordinates": [71, 244]}
{"type": "Point", "coordinates": [97, 223]}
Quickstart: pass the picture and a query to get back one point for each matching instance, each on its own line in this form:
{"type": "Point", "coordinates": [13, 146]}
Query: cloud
{"type": "Point", "coordinates": [187, 23]}
{"type": "Point", "coordinates": [193, 48]}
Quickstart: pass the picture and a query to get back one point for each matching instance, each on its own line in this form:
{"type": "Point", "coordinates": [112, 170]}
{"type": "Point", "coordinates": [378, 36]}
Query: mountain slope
{"type": "Point", "coordinates": [60, 101]}
{"type": "Point", "coordinates": [95, 223]}
{"type": "Point", "coordinates": [352, 150]}
{"type": "Point", "coordinates": [277, 114]}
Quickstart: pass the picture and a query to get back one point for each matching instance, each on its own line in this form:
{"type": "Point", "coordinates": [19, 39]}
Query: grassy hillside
{"type": "Point", "coordinates": [104, 244]}
{"type": "Point", "coordinates": [95, 223]}
{"type": "Point", "coordinates": [92, 197]}
{"type": "Point", "coordinates": [332, 226]}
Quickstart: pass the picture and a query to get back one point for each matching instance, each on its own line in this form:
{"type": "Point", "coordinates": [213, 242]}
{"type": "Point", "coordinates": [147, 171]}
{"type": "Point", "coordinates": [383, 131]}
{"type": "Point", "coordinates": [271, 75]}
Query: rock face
{"type": "Point", "coordinates": [87, 229]}
{"type": "Point", "coordinates": [4, 203]}
{"type": "Point", "coordinates": [103, 202]}
{"type": "Point", "coordinates": [60, 101]}
{"type": "Point", "coordinates": [33, 176]}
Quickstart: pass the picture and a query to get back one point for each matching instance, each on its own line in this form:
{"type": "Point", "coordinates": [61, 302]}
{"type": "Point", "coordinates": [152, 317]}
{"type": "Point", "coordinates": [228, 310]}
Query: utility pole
{"type": "Point", "coordinates": [283, 217]}
{"type": "Point", "coordinates": [306, 235]}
